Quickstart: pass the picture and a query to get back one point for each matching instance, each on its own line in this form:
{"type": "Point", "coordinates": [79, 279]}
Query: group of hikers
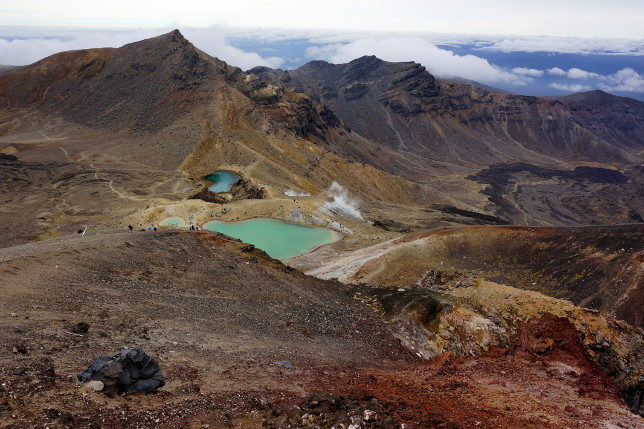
{"type": "Point", "coordinates": [130, 228]}
{"type": "Point", "coordinates": [154, 228]}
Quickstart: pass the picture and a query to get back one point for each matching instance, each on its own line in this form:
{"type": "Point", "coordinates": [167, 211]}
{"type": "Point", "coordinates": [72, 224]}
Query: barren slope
{"type": "Point", "coordinates": [218, 318]}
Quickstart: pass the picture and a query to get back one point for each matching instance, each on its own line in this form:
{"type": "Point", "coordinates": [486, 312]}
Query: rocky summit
{"type": "Point", "coordinates": [465, 257]}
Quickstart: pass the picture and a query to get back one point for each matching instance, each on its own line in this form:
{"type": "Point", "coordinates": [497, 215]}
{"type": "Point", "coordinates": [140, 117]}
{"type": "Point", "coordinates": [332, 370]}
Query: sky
{"type": "Point", "coordinates": [580, 18]}
{"type": "Point", "coordinates": [527, 47]}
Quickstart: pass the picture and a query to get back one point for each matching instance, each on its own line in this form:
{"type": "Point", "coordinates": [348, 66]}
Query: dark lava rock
{"type": "Point", "coordinates": [79, 328]}
{"type": "Point", "coordinates": [634, 397]}
{"type": "Point", "coordinates": [7, 157]}
{"type": "Point", "coordinates": [21, 348]}
{"type": "Point", "coordinates": [130, 370]}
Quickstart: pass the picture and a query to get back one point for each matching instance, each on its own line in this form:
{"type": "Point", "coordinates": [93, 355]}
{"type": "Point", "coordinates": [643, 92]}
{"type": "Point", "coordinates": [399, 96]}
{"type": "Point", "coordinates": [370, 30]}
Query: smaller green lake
{"type": "Point", "coordinates": [173, 221]}
{"type": "Point", "coordinates": [279, 239]}
{"type": "Point", "coordinates": [222, 181]}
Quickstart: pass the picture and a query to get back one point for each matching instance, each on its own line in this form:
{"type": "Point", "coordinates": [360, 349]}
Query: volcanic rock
{"type": "Point", "coordinates": [130, 370]}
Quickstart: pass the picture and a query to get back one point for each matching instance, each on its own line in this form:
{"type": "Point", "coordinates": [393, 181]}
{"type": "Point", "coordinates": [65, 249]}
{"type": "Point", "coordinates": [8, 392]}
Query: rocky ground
{"type": "Point", "coordinates": [244, 341]}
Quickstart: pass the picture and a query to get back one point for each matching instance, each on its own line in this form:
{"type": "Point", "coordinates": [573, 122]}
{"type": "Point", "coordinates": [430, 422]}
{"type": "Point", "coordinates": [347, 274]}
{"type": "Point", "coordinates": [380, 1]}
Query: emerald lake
{"type": "Point", "coordinates": [279, 239]}
{"type": "Point", "coordinates": [222, 181]}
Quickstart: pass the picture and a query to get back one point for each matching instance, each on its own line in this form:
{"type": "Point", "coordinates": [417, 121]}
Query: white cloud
{"type": "Point", "coordinates": [212, 41]}
{"type": "Point", "coordinates": [625, 80]}
{"type": "Point", "coordinates": [574, 73]}
{"type": "Point", "coordinates": [570, 87]}
{"type": "Point", "coordinates": [557, 71]}
{"type": "Point", "coordinates": [23, 47]}
{"type": "Point", "coordinates": [527, 71]}
{"type": "Point", "coordinates": [438, 61]}
{"type": "Point", "coordinates": [566, 45]}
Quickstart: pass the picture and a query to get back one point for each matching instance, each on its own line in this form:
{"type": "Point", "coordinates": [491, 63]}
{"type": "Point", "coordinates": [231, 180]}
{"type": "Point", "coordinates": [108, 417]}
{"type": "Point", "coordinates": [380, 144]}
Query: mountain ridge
{"type": "Point", "coordinates": [408, 93]}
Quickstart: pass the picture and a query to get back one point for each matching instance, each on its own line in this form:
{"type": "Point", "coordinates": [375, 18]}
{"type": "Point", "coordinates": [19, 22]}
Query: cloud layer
{"type": "Point", "coordinates": [527, 71]}
{"type": "Point", "coordinates": [594, 18]}
{"type": "Point", "coordinates": [499, 43]}
{"type": "Point", "coordinates": [564, 45]}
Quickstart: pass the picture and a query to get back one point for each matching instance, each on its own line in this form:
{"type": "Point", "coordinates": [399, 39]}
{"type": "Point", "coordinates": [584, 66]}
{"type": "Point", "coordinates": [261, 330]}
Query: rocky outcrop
{"type": "Point", "coordinates": [243, 189]}
{"type": "Point", "coordinates": [456, 315]}
{"type": "Point", "coordinates": [295, 112]}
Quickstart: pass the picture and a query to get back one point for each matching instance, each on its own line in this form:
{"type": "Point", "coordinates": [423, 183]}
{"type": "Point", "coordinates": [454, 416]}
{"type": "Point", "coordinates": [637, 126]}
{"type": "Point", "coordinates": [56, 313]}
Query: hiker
{"type": "Point", "coordinates": [130, 227]}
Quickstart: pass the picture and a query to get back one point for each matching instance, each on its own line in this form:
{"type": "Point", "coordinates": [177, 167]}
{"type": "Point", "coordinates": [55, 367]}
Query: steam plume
{"type": "Point", "coordinates": [341, 204]}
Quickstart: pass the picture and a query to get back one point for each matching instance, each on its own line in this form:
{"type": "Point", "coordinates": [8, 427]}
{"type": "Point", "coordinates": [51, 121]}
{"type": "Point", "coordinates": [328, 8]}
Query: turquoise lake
{"type": "Point", "coordinates": [279, 239]}
{"type": "Point", "coordinates": [222, 181]}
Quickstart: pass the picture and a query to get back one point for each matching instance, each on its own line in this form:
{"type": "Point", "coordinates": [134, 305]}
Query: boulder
{"type": "Point", "coordinates": [130, 370]}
